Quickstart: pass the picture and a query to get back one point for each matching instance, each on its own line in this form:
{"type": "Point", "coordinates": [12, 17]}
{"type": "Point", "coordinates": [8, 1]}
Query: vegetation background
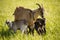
{"type": "Point", "coordinates": [52, 15]}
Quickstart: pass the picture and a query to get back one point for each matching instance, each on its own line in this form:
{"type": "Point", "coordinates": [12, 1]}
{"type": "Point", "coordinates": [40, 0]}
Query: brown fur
{"type": "Point", "coordinates": [29, 15]}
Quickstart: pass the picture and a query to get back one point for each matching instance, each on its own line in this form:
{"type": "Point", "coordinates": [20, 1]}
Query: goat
{"type": "Point", "coordinates": [19, 25]}
{"type": "Point", "coordinates": [40, 26]}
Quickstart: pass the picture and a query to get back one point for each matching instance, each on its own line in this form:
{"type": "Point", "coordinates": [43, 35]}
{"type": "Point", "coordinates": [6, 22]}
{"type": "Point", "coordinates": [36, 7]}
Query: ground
{"type": "Point", "coordinates": [51, 13]}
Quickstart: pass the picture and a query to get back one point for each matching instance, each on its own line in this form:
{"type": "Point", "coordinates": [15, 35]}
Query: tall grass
{"type": "Point", "coordinates": [52, 15]}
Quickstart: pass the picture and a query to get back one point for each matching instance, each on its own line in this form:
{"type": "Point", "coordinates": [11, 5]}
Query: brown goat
{"type": "Point", "coordinates": [36, 13]}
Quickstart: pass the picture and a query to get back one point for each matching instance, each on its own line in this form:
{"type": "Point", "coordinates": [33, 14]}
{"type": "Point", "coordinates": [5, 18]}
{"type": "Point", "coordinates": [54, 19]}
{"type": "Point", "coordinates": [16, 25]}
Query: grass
{"type": "Point", "coordinates": [52, 15]}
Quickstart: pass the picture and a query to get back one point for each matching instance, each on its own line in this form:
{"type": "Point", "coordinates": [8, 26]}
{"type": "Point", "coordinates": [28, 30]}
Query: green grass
{"type": "Point", "coordinates": [52, 15]}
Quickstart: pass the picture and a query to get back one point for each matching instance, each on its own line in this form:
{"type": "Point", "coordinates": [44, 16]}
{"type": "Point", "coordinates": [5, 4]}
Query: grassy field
{"type": "Point", "coordinates": [52, 15]}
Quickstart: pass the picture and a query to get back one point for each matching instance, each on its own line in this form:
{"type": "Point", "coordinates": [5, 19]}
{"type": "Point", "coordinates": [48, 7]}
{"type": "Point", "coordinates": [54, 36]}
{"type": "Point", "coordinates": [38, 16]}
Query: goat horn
{"type": "Point", "coordinates": [38, 5]}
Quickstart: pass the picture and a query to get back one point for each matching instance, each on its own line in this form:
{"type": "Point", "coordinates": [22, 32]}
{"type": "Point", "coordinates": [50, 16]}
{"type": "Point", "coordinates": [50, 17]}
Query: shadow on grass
{"type": "Point", "coordinates": [6, 33]}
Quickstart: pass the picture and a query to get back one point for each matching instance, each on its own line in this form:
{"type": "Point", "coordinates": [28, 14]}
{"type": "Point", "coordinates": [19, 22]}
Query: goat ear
{"type": "Point", "coordinates": [41, 5]}
{"type": "Point", "coordinates": [7, 20]}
